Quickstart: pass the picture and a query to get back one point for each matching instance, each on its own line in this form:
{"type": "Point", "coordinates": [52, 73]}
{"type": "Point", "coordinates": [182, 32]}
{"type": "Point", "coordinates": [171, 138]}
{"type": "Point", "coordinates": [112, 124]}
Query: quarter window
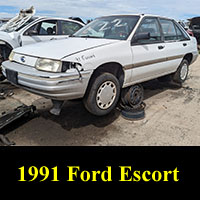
{"type": "Point", "coordinates": [150, 25]}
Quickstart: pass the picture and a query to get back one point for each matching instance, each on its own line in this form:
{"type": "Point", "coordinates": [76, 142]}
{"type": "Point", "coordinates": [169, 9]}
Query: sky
{"type": "Point", "coordinates": [89, 9]}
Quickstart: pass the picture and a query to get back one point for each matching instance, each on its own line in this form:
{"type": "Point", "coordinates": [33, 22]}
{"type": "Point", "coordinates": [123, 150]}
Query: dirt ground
{"type": "Point", "coordinates": [172, 118]}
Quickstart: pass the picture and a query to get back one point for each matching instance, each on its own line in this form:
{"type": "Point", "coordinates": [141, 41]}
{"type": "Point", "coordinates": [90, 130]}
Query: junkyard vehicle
{"type": "Point", "coordinates": [3, 21]}
{"type": "Point", "coordinates": [108, 54]}
{"type": "Point", "coordinates": [26, 29]}
{"type": "Point", "coordinates": [186, 27]}
{"type": "Point", "coordinates": [195, 27]}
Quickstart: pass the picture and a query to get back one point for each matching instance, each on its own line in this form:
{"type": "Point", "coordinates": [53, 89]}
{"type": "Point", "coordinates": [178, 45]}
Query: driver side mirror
{"type": "Point", "coordinates": [140, 36]}
{"type": "Point", "coordinates": [32, 32]}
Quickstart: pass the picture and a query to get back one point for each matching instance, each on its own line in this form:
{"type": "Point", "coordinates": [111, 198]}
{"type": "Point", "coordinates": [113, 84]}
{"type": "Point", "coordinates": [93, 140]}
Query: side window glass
{"type": "Point", "coordinates": [48, 28]}
{"type": "Point", "coordinates": [69, 28]}
{"type": "Point", "coordinates": [150, 25]}
{"type": "Point", "coordinates": [181, 35]}
{"type": "Point", "coordinates": [169, 30]}
{"type": "Point", "coordinates": [34, 27]}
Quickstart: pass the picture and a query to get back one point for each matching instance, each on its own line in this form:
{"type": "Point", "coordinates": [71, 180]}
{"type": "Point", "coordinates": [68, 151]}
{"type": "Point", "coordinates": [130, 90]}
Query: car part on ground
{"type": "Point", "coordinates": [5, 141]}
{"type": "Point", "coordinates": [57, 106]}
{"type": "Point", "coordinates": [134, 114]}
{"type": "Point", "coordinates": [8, 118]}
{"type": "Point", "coordinates": [17, 113]}
{"type": "Point", "coordinates": [132, 106]}
{"type": "Point", "coordinates": [133, 96]}
{"type": "Point", "coordinates": [4, 94]}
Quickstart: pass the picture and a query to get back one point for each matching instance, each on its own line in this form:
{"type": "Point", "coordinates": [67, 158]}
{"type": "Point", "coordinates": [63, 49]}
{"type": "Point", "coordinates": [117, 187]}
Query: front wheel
{"type": "Point", "coordinates": [102, 94]}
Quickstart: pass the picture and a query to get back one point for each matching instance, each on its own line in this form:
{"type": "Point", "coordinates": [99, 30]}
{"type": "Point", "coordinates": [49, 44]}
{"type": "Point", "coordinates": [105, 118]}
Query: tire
{"type": "Point", "coordinates": [2, 77]}
{"type": "Point", "coordinates": [181, 74]}
{"type": "Point", "coordinates": [132, 96]}
{"type": "Point", "coordinates": [102, 94]}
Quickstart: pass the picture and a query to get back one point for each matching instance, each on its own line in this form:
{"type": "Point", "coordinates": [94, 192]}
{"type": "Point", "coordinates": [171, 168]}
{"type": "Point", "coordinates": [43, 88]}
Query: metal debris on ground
{"type": "Point", "coordinates": [5, 141]}
{"type": "Point", "coordinates": [10, 117]}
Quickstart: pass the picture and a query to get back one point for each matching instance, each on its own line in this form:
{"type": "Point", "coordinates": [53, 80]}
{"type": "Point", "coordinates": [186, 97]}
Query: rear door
{"type": "Point", "coordinates": [176, 43]}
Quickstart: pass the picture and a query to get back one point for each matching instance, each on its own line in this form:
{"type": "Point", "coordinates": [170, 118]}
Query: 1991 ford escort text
{"type": "Point", "coordinates": [109, 54]}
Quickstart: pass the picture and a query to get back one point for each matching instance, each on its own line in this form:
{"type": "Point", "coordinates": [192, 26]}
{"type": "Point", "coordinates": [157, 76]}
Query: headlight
{"type": "Point", "coordinates": [11, 56]}
{"type": "Point", "coordinates": [48, 65]}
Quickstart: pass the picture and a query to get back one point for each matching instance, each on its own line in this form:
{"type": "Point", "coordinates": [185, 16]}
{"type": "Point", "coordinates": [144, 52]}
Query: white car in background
{"type": "Point", "coordinates": [109, 54]}
{"type": "Point", "coordinates": [26, 29]}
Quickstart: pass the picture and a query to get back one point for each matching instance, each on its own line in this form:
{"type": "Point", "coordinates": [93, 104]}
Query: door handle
{"type": "Point", "coordinates": [161, 47]}
{"type": "Point", "coordinates": [184, 44]}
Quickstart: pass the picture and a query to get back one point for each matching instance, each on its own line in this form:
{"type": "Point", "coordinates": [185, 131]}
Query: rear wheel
{"type": "Point", "coordinates": [181, 74]}
{"type": "Point", "coordinates": [102, 94]}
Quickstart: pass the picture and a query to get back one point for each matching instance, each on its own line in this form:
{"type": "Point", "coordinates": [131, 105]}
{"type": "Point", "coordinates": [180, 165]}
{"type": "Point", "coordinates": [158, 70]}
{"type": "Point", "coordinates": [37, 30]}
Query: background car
{"type": "Point", "coordinates": [186, 27]}
{"type": "Point", "coordinates": [195, 27]}
{"type": "Point", "coordinates": [26, 29]}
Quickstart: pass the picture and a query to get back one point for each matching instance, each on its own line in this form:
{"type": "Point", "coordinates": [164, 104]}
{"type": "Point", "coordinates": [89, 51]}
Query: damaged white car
{"type": "Point", "coordinates": [109, 54]}
{"type": "Point", "coordinates": [25, 29]}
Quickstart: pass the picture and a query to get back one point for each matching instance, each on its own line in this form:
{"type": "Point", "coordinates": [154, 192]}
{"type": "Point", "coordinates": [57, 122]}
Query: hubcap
{"type": "Point", "coordinates": [184, 71]}
{"type": "Point", "coordinates": [106, 95]}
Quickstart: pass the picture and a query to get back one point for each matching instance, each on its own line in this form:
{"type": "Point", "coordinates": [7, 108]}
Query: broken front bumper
{"type": "Point", "coordinates": [58, 86]}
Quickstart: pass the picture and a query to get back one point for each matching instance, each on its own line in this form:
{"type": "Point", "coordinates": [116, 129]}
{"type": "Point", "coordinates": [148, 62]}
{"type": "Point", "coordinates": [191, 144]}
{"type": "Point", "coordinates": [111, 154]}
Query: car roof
{"type": "Point", "coordinates": [141, 15]}
{"type": "Point", "coordinates": [58, 18]}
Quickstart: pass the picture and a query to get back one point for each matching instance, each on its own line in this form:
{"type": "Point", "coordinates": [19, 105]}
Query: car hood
{"type": "Point", "coordinates": [58, 49]}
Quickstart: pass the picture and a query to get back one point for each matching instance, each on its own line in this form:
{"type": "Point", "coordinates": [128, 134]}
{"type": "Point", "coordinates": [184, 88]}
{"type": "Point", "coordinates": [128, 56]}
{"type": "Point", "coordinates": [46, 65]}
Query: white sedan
{"type": "Point", "coordinates": [110, 53]}
{"type": "Point", "coordinates": [25, 29]}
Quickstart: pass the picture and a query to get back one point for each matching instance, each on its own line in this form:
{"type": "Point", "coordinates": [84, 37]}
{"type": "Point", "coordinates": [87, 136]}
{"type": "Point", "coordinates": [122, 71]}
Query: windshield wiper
{"type": "Point", "coordinates": [72, 35]}
{"type": "Point", "coordinates": [89, 36]}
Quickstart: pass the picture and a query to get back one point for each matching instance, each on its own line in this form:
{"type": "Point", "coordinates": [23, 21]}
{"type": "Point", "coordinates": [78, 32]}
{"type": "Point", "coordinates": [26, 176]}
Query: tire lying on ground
{"type": "Point", "coordinates": [102, 94]}
{"type": "Point", "coordinates": [132, 106]}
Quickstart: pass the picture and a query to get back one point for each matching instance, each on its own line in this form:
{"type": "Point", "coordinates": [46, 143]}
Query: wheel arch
{"type": "Point", "coordinates": [5, 48]}
{"type": "Point", "coordinates": [188, 57]}
{"type": "Point", "coordinates": [111, 67]}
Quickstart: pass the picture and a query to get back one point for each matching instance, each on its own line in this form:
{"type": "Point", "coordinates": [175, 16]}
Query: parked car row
{"type": "Point", "coordinates": [100, 59]}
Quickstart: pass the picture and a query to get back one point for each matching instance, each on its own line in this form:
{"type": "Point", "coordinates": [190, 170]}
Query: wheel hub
{"type": "Point", "coordinates": [106, 95]}
{"type": "Point", "coordinates": [184, 71]}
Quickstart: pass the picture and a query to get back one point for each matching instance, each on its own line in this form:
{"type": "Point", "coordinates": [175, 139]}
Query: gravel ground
{"type": "Point", "coordinates": [172, 118]}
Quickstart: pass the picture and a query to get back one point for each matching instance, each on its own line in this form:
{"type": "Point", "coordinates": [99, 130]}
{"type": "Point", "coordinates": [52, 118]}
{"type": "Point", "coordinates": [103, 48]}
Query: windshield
{"type": "Point", "coordinates": [113, 27]}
